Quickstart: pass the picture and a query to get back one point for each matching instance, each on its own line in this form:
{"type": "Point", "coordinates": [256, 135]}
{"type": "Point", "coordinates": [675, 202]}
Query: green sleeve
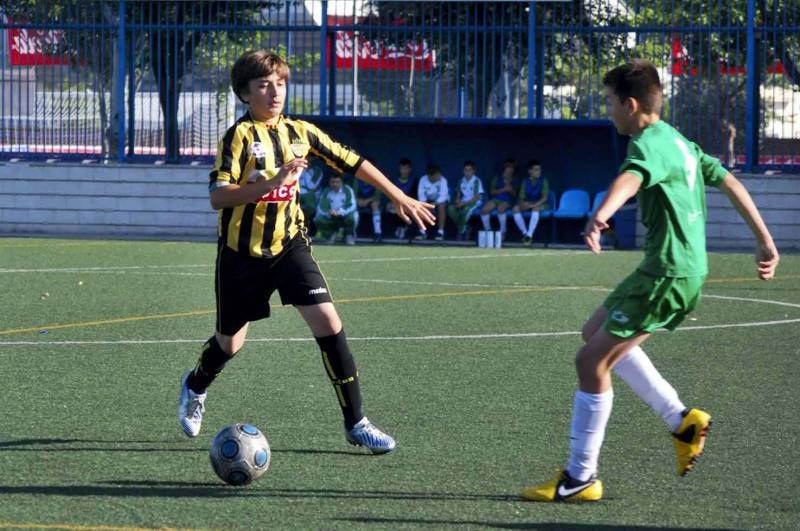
{"type": "Point", "coordinates": [712, 169]}
{"type": "Point", "coordinates": [545, 189]}
{"type": "Point", "coordinates": [636, 163]}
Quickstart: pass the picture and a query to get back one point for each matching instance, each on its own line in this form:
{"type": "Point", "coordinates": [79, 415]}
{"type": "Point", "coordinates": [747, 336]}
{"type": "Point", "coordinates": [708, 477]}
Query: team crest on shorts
{"type": "Point", "coordinates": [620, 317]}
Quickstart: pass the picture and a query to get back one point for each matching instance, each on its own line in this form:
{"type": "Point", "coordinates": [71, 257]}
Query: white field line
{"type": "Point", "coordinates": [114, 269]}
{"type": "Point", "coordinates": [442, 337]}
{"type": "Point", "coordinates": [432, 337]}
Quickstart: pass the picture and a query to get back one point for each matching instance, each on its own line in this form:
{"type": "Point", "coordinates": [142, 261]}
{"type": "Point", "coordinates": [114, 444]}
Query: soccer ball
{"type": "Point", "coordinates": [239, 454]}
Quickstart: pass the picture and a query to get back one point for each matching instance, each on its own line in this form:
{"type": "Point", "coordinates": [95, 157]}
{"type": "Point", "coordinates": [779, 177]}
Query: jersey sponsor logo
{"type": "Point", "coordinates": [317, 291]}
{"type": "Point", "coordinates": [257, 150]}
{"type": "Point", "coordinates": [620, 317]}
{"type": "Point", "coordinates": [285, 192]}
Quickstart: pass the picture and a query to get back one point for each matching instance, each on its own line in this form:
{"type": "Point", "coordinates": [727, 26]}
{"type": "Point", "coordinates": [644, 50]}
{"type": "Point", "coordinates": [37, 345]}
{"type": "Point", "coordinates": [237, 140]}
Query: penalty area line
{"type": "Point", "coordinates": [437, 337]}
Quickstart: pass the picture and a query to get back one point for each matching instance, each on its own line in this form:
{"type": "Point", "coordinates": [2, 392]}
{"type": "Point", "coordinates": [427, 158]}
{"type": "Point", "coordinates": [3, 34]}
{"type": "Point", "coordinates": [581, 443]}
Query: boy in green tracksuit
{"type": "Point", "coordinates": [668, 173]}
{"type": "Point", "coordinates": [337, 211]}
{"type": "Point", "coordinates": [469, 198]}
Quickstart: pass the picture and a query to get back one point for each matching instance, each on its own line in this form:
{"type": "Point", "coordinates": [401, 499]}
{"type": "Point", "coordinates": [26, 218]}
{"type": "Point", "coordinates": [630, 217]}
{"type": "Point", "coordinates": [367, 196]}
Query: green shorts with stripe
{"type": "Point", "coordinates": [645, 303]}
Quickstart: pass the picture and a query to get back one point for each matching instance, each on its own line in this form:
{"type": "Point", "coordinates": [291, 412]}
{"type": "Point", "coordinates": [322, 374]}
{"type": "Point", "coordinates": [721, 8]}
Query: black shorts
{"type": "Point", "coordinates": [244, 284]}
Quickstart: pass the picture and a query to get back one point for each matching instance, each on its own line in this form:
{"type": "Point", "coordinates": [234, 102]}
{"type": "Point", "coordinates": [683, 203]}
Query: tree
{"type": "Point", "coordinates": [572, 43]}
{"type": "Point", "coordinates": [169, 35]}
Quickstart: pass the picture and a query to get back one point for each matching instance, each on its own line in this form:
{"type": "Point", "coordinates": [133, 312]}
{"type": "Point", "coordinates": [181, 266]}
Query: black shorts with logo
{"type": "Point", "coordinates": [244, 284]}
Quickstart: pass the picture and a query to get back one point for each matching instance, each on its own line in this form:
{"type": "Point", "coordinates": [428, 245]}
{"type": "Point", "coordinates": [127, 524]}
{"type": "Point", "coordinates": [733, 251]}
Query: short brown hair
{"type": "Point", "coordinates": [253, 65]}
{"type": "Point", "coordinates": [637, 79]}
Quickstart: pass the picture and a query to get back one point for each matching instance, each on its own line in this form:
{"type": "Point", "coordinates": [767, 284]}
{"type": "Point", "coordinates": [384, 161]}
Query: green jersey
{"type": "Point", "coordinates": [672, 199]}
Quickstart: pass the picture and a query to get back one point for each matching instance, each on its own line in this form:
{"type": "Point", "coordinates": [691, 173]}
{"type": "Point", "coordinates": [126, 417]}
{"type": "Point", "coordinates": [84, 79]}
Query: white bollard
{"type": "Point", "coordinates": [498, 240]}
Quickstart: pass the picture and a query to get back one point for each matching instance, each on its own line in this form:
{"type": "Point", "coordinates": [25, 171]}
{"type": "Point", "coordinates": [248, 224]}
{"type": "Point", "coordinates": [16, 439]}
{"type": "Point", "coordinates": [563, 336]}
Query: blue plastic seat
{"type": "Point", "coordinates": [598, 200]}
{"type": "Point", "coordinates": [574, 204]}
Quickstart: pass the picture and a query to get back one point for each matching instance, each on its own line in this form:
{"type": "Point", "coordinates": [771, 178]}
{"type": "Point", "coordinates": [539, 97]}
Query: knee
{"type": "Point", "coordinates": [515, 210]}
{"type": "Point", "coordinates": [585, 366]}
{"type": "Point", "coordinates": [587, 331]}
{"type": "Point", "coordinates": [230, 345]}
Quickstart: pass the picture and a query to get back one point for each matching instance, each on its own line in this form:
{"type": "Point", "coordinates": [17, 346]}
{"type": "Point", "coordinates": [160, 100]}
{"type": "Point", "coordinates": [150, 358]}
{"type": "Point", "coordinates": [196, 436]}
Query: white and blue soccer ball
{"type": "Point", "coordinates": [240, 454]}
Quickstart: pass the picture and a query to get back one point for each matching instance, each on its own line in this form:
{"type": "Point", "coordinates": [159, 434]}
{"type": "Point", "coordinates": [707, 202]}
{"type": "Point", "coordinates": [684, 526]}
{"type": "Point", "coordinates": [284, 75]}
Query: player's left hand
{"type": "Point", "coordinates": [410, 210]}
{"type": "Point", "coordinates": [767, 259]}
{"type": "Point", "coordinates": [591, 234]}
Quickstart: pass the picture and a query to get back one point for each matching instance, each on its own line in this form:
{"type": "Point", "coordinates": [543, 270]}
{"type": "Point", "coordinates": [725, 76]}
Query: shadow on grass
{"type": "Point", "coordinates": [97, 445]}
{"type": "Point", "coordinates": [180, 489]}
{"type": "Point", "coordinates": [546, 526]}
{"type": "Point", "coordinates": [94, 445]}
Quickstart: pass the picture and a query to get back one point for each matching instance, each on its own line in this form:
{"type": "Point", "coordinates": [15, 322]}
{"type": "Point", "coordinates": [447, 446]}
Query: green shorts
{"type": "Point", "coordinates": [644, 303]}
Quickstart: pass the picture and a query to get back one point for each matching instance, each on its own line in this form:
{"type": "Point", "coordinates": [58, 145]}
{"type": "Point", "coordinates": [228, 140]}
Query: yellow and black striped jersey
{"type": "Point", "coordinates": [265, 228]}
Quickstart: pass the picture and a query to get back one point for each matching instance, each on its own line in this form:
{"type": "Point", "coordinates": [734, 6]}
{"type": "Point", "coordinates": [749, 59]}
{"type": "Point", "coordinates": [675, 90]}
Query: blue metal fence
{"type": "Point", "coordinates": [132, 80]}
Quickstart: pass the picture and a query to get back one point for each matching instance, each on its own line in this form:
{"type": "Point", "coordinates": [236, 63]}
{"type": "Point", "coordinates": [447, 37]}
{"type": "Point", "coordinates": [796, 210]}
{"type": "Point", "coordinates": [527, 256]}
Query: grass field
{"type": "Point", "coordinates": [465, 357]}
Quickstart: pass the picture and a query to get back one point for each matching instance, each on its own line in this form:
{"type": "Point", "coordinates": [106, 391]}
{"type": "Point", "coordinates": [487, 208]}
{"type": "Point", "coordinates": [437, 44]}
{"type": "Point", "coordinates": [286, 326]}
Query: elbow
{"type": "Point", "coordinates": [215, 204]}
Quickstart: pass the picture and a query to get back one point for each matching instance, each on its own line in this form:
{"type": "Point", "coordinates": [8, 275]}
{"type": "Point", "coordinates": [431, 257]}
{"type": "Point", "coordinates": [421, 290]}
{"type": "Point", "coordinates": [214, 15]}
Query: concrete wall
{"type": "Point", "coordinates": [172, 202]}
{"type": "Point", "coordinates": [129, 200]}
{"type": "Point", "coordinates": [778, 199]}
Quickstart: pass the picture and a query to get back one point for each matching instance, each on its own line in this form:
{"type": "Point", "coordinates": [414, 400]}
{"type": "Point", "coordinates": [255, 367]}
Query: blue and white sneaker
{"type": "Point", "coordinates": [190, 408]}
{"type": "Point", "coordinates": [367, 435]}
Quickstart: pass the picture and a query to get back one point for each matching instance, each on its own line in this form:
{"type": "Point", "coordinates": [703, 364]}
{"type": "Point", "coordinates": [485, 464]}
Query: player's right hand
{"type": "Point", "coordinates": [285, 175]}
{"type": "Point", "coordinates": [292, 168]}
{"type": "Point", "coordinates": [767, 259]}
{"type": "Point", "coordinates": [412, 211]}
{"type": "Point", "coordinates": [591, 234]}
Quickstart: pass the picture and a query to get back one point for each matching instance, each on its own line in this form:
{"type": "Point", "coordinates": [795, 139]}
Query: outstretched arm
{"type": "Point", "coordinates": [408, 209]}
{"type": "Point", "coordinates": [766, 254]}
{"type": "Point", "coordinates": [234, 195]}
{"type": "Point", "coordinates": [623, 188]}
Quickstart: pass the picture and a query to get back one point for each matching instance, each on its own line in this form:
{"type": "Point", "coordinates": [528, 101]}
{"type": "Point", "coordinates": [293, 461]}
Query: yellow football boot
{"type": "Point", "coordinates": [563, 488]}
{"type": "Point", "coordinates": [690, 438]}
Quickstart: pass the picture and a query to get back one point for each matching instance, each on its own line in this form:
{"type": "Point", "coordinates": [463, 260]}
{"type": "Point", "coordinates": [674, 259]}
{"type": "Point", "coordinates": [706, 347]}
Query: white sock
{"type": "Point", "coordinates": [589, 418]}
{"type": "Point", "coordinates": [520, 221]}
{"type": "Point", "coordinates": [487, 225]}
{"type": "Point", "coordinates": [532, 223]}
{"type": "Point", "coordinates": [636, 370]}
{"type": "Point", "coordinates": [376, 222]}
{"type": "Point", "coordinates": [503, 218]}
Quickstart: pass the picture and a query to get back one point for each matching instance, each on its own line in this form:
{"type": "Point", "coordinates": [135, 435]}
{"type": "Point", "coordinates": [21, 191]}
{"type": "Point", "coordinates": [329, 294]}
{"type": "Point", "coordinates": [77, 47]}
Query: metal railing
{"type": "Point", "coordinates": [133, 80]}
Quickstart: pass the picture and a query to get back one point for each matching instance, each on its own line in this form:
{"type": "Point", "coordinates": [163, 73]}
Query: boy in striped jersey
{"type": "Point", "coordinates": [263, 245]}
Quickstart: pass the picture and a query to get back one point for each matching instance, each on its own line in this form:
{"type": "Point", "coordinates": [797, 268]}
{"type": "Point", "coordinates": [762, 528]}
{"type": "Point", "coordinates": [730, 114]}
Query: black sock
{"type": "Point", "coordinates": [341, 369]}
{"type": "Point", "coordinates": [211, 362]}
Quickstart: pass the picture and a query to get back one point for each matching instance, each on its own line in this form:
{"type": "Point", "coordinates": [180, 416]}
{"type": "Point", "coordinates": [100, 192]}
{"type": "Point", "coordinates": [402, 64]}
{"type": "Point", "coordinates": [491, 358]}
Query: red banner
{"type": "Point", "coordinates": [682, 66]}
{"type": "Point", "coordinates": [30, 47]}
{"type": "Point", "coordinates": [374, 55]}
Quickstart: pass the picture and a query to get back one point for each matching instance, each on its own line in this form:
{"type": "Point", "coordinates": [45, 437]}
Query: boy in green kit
{"type": "Point", "coordinates": [669, 174]}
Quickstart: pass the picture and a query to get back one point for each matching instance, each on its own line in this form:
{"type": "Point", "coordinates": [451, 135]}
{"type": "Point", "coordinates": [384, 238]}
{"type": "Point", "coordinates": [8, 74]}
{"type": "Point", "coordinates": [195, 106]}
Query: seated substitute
{"type": "Point", "coordinates": [532, 196]}
{"type": "Point", "coordinates": [469, 196]}
{"type": "Point", "coordinates": [504, 194]}
{"type": "Point", "coordinates": [405, 182]}
{"type": "Point", "coordinates": [433, 188]}
{"type": "Point", "coordinates": [337, 212]}
{"type": "Point", "coordinates": [367, 196]}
